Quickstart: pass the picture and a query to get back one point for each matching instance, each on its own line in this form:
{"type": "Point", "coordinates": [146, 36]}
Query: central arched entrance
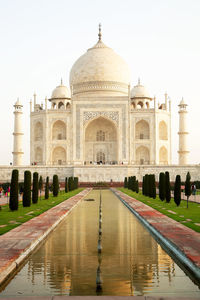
{"type": "Point", "coordinates": [101, 142]}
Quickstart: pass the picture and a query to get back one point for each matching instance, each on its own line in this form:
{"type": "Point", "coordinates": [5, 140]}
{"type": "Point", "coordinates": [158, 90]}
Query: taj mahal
{"type": "Point", "coordinates": [100, 128]}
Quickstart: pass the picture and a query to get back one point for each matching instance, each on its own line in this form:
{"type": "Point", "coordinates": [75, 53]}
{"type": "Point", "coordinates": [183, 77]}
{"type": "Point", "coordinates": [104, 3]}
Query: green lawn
{"type": "Point", "coordinates": [11, 219]}
{"type": "Point", "coordinates": [187, 217]}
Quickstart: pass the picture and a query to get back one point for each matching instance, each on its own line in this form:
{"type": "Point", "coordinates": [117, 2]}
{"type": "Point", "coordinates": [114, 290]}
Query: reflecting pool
{"type": "Point", "coordinates": [131, 261]}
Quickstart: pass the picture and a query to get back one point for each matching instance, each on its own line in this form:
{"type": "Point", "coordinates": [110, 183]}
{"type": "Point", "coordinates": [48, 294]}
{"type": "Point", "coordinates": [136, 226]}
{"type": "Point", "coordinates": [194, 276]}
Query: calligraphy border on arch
{"type": "Point", "coordinates": [89, 115]}
{"type": "Point", "coordinates": [92, 106]}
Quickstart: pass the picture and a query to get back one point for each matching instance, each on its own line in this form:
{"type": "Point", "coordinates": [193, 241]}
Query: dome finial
{"type": "Point", "coordinates": [99, 32]}
{"type": "Point", "coordinates": [138, 80]}
{"type": "Point", "coordinates": [61, 82]}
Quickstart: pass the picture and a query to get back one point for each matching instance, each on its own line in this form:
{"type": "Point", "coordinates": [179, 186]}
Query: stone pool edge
{"type": "Point", "coordinates": [171, 245]}
{"type": "Point", "coordinates": [13, 262]}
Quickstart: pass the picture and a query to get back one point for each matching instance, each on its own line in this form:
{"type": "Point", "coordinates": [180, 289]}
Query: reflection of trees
{"type": "Point", "coordinates": [130, 256]}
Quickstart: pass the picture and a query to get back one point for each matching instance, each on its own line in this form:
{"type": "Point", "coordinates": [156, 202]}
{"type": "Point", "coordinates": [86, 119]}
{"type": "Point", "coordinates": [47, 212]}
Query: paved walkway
{"type": "Point", "coordinates": [19, 242]}
{"type": "Point", "coordinates": [181, 239]}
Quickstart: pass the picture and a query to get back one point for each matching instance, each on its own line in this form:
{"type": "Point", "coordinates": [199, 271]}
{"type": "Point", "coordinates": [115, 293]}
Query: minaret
{"type": "Point", "coordinates": [183, 134]}
{"type": "Point", "coordinates": [17, 143]}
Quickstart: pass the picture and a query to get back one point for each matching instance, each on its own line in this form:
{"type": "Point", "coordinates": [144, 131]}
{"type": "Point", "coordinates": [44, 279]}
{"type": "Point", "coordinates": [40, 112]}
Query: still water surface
{"type": "Point", "coordinates": [131, 263]}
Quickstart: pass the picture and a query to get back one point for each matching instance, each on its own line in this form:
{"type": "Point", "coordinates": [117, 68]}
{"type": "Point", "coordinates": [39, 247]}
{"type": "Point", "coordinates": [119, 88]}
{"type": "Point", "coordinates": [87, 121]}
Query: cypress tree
{"type": "Point", "coordinates": [66, 185]}
{"type": "Point", "coordinates": [188, 187]}
{"type": "Point", "coordinates": [27, 189]}
{"type": "Point", "coordinates": [134, 183]}
{"type": "Point", "coordinates": [147, 185]}
{"type": "Point", "coordinates": [143, 185]}
{"type": "Point", "coordinates": [162, 193]}
{"type": "Point", "coordinates": [35, 188]}
{"type": "Point", "coordinates": [125, 183]}
{"type": "Point", "coordinates": [75, 182]}
{"type": "Point", "coordinates": [40, 185]}
{"type": "Point", "coordinates": [137, 186]}
{"type": "Point", "coordinates": [167, 187]}
{"type": "Point", "coordinates": [129, 182]}
{"type": "Point", "coordinates": [177, 190]}
{"type": "Point", "coordinates": [153, 187]}
{"type": "Point", "coordinates": [55, 185]}
{"type": "Point", "coordinates": [47, 188]}
{"type": "Point", "coordinates": [150, 185]}
{"type": "Point", "coordinates": [14, 191]}
{"type": "Point", "coordinates": [70, 184]}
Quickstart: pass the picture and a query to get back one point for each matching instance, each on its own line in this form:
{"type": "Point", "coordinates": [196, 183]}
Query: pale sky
{"type": "Point", "coordinates": [41, 39]}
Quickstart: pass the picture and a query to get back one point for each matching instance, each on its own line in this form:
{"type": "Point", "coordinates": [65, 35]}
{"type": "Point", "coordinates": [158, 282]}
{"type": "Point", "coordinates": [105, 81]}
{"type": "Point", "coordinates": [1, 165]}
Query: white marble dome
{"type": "Point", "coordinates": [60, 92]}
{"type": "Point", "coordinates": [140, 91]}
{"type": "Point", "coordinates": [100, 69]}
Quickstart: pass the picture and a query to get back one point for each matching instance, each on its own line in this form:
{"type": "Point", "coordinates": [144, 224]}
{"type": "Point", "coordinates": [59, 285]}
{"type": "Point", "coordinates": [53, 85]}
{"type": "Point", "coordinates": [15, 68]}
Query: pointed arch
{"type": "Point", "coordinates": [163, 132]}
{"type": "Point", "coordinates": [142, 130]}
{"type": "Point", "coordinates": [38, 132]}
{"type": "Point", "coordinates": [142, 155]}
{"type": "Point", "coordinates": [101, 141]}
{"type": "Point", "coordinates": [61, 105]}
{"type": "Point", "coordinates": [38, 155]}
{"type": "Point", "coordinates": [59, 130]}
{"type": "Point", "coordinates": [59, 156]}
{"type": "Point", "coordinates": [163, 156]}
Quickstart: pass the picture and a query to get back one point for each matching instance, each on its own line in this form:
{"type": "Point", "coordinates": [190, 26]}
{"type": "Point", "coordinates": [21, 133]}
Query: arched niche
{"type": "Point", "coordinates": [142, 155]}
{"type": "Point", "coordinates": [101, 141]}
{"type": "Point", "coordinates": [142, 130]}
{"type": "Point", "coordinates": [67, 105]}
{"type": "Point", "coordinates": [59, 130]}
{"type": "Point", "coordinates": [59, 156]}
{"type": "Point", "coordinates": [163, 135]}
{"type": "Point", "coordinates": [133, 105]}
{"type": "Point", "coordinates": [38, 132]}
{"type": "Point", "coordinates": [61, 105]}
{"type": "Point", "coordinates": [163, 156]}
{"type": "Point", "coordinates": [53, 105]}
{"type": "Point", "coordinates": [140, 104]}
{"type": "Point", "coordinates": [38, 155]}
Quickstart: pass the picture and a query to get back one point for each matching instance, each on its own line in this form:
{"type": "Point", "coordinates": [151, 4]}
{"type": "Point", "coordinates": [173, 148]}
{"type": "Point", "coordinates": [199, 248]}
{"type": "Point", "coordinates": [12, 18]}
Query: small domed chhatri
{"type": "Point", "coordinates": [102, 122]}
{"type": "Point", "coordinates": [100, 69]}
{"type": "Point", "coordinates": [139, 91]}
{"type": "Point", "coordinates": [60, 92]}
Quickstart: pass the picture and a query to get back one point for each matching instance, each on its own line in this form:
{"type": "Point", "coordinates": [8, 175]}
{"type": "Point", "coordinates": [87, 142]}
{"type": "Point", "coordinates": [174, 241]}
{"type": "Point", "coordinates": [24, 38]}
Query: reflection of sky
{"type": "Point", "coordinates": [132, 262]}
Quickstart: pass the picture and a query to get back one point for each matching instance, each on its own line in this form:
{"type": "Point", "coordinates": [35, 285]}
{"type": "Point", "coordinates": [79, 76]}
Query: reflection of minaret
{"type": "Point", "coordinates": [17, 143]}
{"type": "Point", "coordinates": [183, 134]}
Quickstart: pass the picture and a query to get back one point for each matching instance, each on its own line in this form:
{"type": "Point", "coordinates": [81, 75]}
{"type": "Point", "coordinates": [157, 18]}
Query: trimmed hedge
{"type": "Point", "coordinates": [125, 183]}
{"type": "Point", "coordinates": [35, 188]}
{"type": "Point", "coordinates": [27, 189]}
{"type": "Point", "coordinates": [167, 187]}
{"type": "Point", "coordinates": [14, 190]}
{"type": "Point", "coordinates": [162, 192]}
{"type": "Point", "coordinates": [46, 196]}
{"type": "Point", "coordinates": [188, 190]}
{"type": "Point", "coordinates": [55, 185]}
{"type": "Point", "coordinates": [75, 183]}
{"type": "Point", "coordinates": [177, 190]}
{"type": "Point", "coordinates": [66, 185]}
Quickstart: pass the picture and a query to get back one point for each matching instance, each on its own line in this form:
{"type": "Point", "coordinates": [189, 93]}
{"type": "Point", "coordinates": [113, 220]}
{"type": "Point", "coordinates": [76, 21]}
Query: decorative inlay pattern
{"type": "Point", "coordinates": [92, 106]}
{"type": "Point", "coordinates": [100, 86]}
{"type": "Point", "coordinates": [113, 115]}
